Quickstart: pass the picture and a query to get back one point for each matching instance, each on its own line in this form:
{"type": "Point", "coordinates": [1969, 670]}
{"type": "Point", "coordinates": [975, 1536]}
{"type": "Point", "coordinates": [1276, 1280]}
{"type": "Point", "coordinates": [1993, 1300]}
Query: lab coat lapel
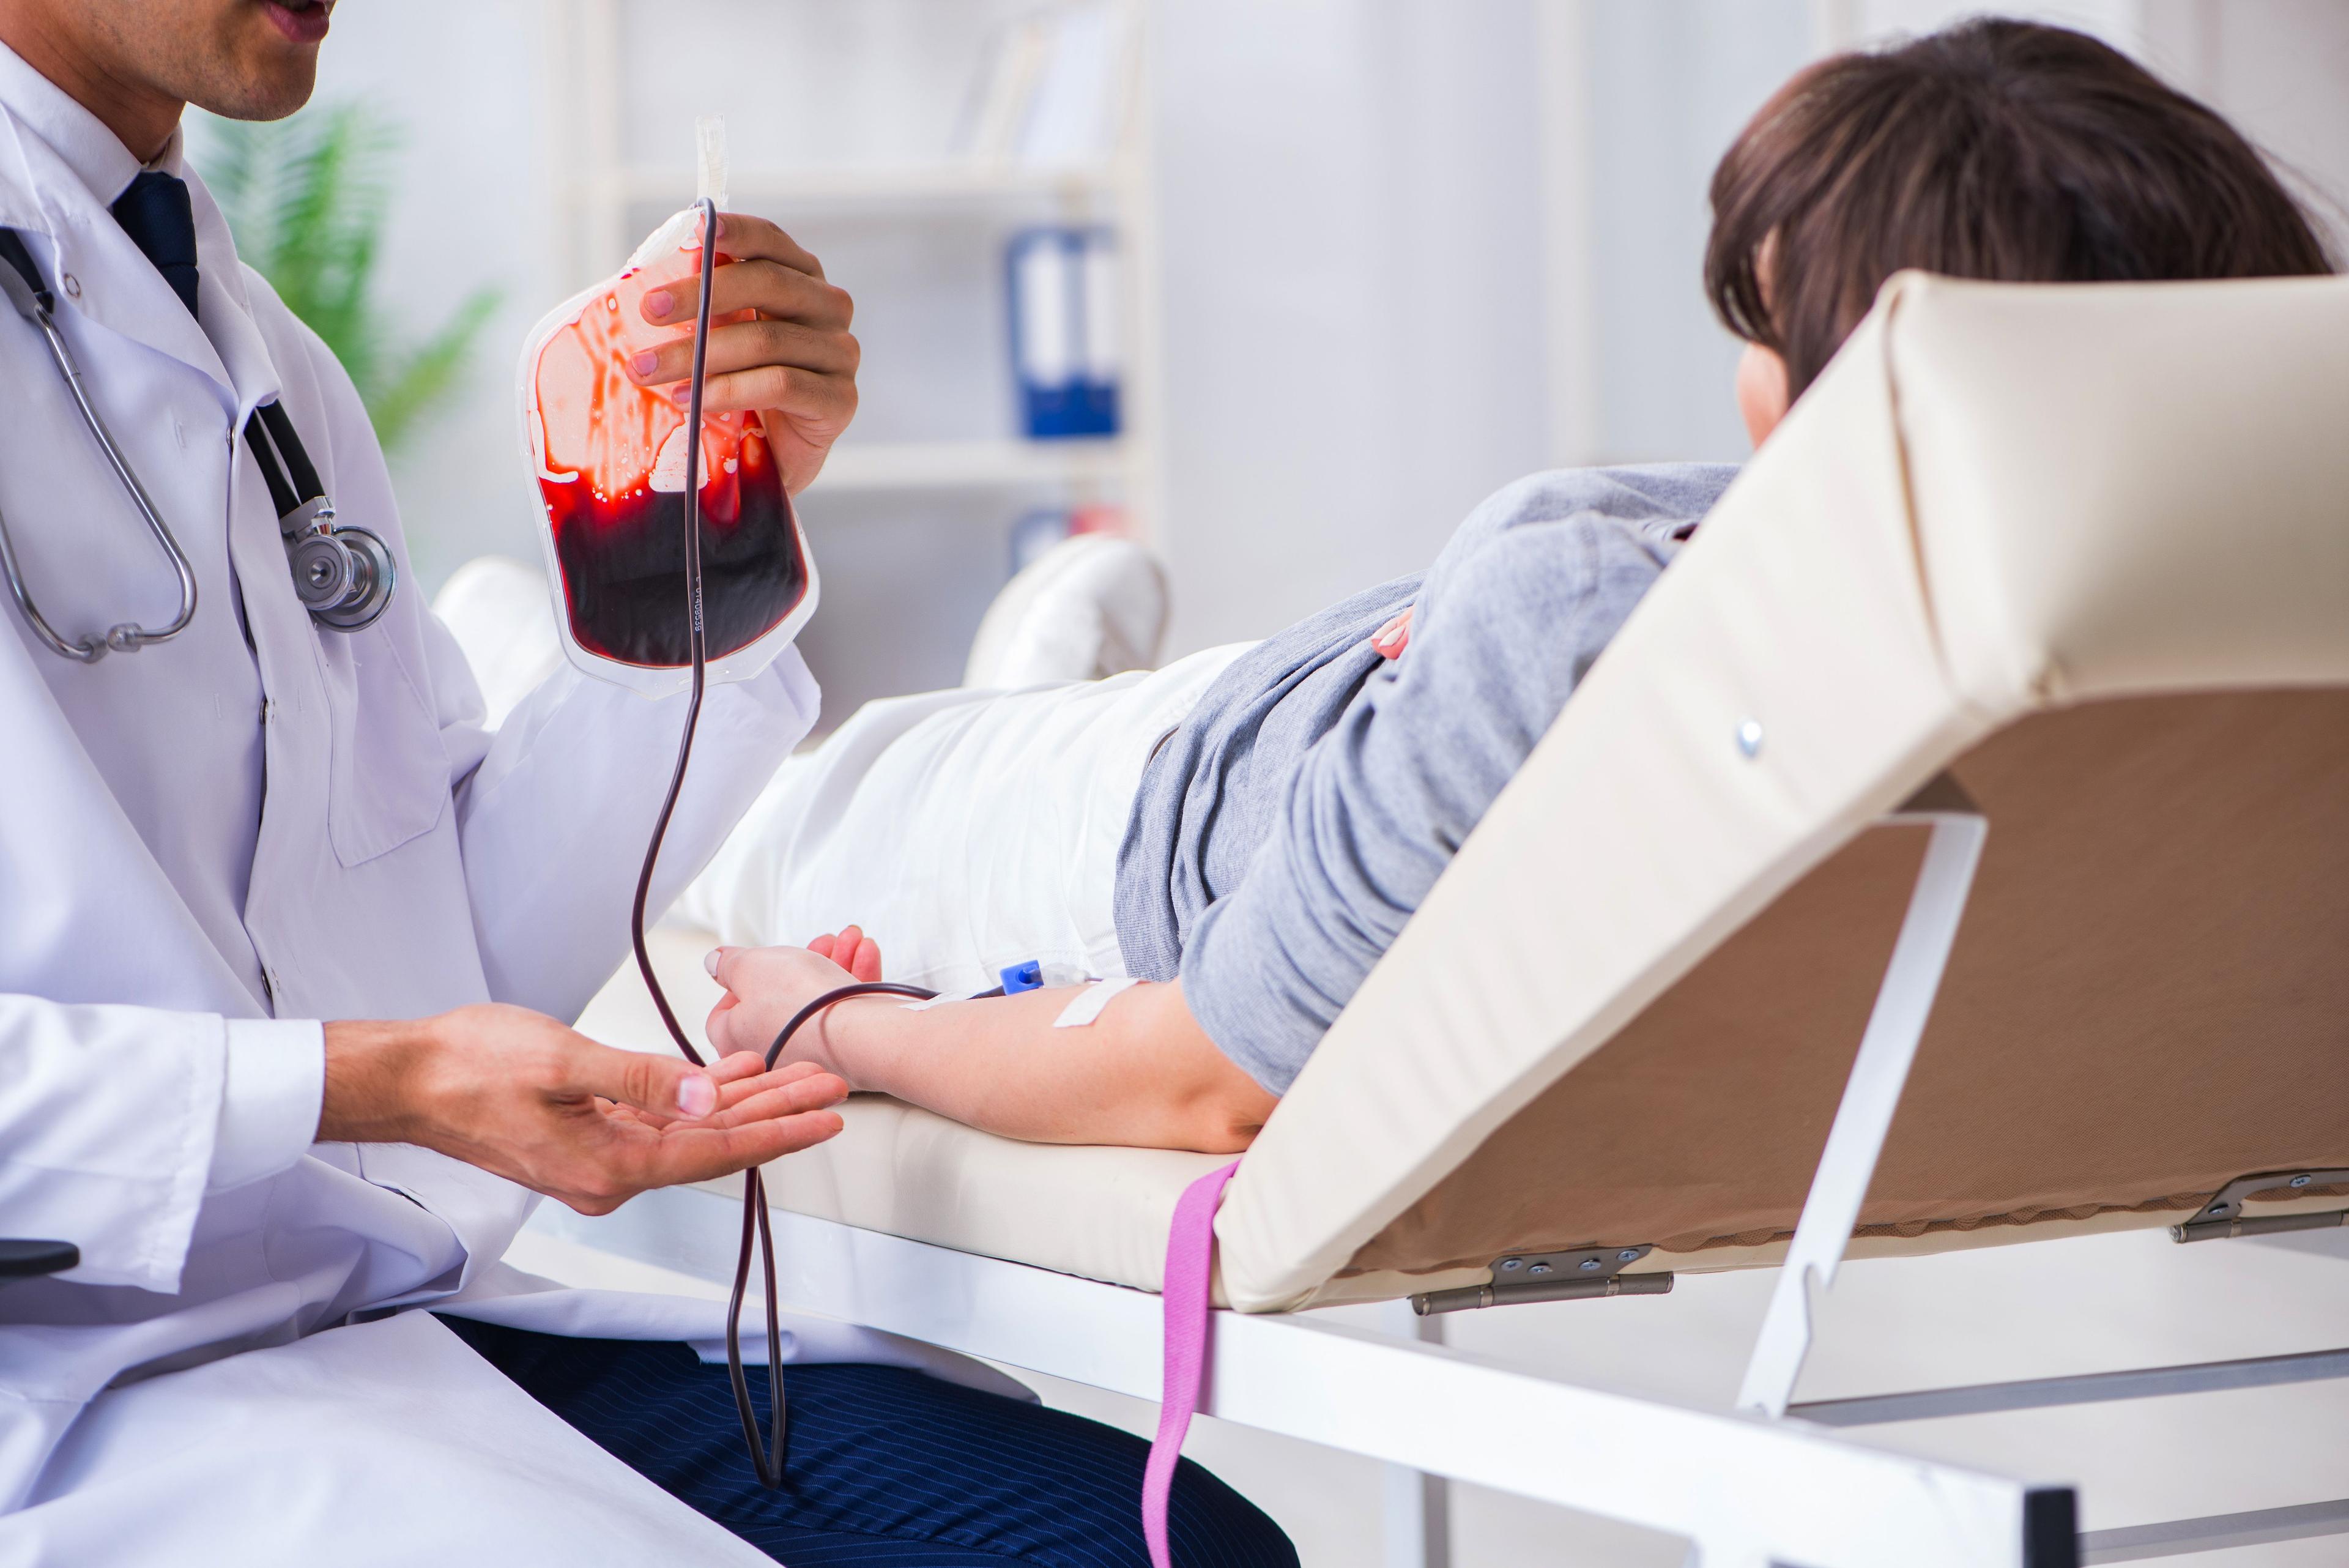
{"type": "Point", "coordinates": [227, 307]}
{"type": "Point", "coordinates": [95, 269]}
{"type": "Point", "coordinates": [19, 208]}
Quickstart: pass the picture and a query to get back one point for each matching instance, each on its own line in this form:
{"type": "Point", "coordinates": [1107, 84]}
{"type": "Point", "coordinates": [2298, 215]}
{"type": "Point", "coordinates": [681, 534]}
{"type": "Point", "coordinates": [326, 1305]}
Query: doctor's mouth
{"type": "Point", "coordinates": [301, 21]}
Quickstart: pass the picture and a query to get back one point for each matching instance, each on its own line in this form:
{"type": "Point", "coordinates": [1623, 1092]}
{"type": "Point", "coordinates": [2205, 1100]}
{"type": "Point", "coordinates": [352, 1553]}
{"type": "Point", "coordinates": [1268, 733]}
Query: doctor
{"type": "Point", "coordinates": [285, 936]}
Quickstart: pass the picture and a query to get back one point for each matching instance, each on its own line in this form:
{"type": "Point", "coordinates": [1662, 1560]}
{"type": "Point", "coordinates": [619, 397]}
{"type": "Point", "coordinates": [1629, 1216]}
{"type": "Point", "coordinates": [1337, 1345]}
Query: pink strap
{"type": "Point", "coordinates": [1190, 1266]}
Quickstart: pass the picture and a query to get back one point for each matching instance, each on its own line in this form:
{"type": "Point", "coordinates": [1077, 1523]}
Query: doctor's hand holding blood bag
{"type": "Point", "coordinates": [779, 343]}
{"type": "Point", "coordinates": [606, 388]}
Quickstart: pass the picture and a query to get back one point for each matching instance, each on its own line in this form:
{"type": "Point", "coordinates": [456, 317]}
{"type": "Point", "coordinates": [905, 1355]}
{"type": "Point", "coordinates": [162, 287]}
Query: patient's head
{"type": "Point", "coordinates": [1998, 149]}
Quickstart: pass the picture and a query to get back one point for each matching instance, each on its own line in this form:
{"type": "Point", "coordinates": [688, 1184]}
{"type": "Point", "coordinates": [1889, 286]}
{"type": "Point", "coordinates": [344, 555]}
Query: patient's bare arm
{"type": "Point", "coordinates": [1144, 1074]}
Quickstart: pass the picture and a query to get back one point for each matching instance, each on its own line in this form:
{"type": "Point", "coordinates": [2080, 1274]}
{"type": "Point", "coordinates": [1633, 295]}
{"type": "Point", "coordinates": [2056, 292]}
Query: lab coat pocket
{"type": "Point", "coordinates": [389, 780]}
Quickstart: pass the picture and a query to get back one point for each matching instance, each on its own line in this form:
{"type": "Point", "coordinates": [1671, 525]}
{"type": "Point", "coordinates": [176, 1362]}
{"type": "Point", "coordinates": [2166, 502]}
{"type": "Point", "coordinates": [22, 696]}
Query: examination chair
{"type": "Point", "coordinates": [1984, 757]}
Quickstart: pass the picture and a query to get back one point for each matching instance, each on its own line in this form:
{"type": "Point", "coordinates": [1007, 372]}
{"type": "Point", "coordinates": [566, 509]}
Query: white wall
{"type": "Point", "coordinates": [1351, 277]}
{"type": "Point", "coordinates": [1376, 315]}
{"type": "Point", "coordinates": [1665, 88]}
{"type": "Point", "coordinates": [1370, 320]}
{"type": "Point", "coordinates": [468, 204]}
{"type": "Point", "coordinates": [2279, 69]}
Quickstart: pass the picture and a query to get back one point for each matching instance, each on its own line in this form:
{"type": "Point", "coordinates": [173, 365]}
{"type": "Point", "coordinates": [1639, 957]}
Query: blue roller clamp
{"type": "Point", "coordinates": [1020, 977]}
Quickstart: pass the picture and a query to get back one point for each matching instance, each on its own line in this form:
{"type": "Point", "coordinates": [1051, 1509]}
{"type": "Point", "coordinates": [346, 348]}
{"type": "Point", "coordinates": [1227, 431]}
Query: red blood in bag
{"type": "Point", "coordinates": [613, 479]}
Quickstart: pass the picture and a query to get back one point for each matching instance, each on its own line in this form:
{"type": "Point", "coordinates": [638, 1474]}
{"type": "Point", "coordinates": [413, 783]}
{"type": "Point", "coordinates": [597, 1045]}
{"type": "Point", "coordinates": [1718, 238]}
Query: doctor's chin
{"type": "Point", "coordinates": [1117, 783]}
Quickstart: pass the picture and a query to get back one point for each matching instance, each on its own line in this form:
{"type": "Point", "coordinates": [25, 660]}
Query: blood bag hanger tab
{"type": "Point", "coordinates": [709, 160]}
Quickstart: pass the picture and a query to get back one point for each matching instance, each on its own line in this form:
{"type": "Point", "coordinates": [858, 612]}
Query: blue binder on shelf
{"type": "Point", "coordinates": [1063, 288]}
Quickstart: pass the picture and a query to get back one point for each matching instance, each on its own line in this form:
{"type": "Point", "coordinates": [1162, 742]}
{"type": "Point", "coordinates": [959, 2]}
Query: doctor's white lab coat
{"type": "Point", "coordinates": [208, 846]}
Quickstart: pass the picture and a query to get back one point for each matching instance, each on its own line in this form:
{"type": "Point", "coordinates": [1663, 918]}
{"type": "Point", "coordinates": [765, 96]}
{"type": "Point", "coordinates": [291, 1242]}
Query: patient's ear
{"type": "Point", "coordinates": [1761, 391]}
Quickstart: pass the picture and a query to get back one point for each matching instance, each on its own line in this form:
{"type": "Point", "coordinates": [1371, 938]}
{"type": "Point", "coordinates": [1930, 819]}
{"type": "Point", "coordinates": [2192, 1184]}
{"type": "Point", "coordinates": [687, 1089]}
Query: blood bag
{"type": "Point", "coordinates": [609, 457]}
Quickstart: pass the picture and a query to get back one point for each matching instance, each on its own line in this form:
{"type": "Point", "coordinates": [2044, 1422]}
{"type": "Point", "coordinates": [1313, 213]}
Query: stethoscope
{"type": "Point", "coordinates": [343, 575]}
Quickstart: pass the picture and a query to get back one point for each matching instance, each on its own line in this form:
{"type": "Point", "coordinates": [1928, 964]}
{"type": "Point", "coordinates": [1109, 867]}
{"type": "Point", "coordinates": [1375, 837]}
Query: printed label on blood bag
{"type": "Point", "coordinates": [611, 476]}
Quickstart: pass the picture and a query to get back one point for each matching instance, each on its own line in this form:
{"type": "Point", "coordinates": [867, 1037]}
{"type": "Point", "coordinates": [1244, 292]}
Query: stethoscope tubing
{"type": "Point", "coordinates": [344, 576]}
{"type": "Point", "coordinates": [126, 637]}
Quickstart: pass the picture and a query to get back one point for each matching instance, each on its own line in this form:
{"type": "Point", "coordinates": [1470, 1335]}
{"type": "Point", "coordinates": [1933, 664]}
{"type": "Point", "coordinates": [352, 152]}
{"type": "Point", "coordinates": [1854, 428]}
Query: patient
{"type": "Point", "coordinates": [1248, 829]}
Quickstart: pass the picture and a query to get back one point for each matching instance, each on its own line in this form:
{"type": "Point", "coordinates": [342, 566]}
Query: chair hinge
{"type": "Point", "coordinates": [1581, 1274]}
{"type": "Point", "coordinates": [2223, 1216]}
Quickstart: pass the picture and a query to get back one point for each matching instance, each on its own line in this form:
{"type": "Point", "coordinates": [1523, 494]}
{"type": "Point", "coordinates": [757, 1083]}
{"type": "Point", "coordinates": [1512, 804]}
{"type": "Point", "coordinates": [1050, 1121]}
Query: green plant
{"type": "Point", "coordinates": [304, 198]}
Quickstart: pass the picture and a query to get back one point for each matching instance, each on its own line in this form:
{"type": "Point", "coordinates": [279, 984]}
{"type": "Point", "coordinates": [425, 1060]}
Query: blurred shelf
{"type": "Point", "coordinates": [876, 466]}
{"type": "Point", "coordinates": [882, 186]}
{"type": "Point", "coordinates": [918, 192]}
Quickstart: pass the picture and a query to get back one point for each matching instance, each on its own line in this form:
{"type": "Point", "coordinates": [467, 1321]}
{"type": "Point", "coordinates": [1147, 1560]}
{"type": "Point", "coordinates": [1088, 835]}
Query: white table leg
{"type": "Point", "coordinates": [1417, 1507]}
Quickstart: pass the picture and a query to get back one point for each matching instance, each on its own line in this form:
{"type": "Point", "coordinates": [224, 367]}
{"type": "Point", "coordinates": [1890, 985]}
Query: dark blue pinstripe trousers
{"type": "Point", "coordinates": [884, 1465]}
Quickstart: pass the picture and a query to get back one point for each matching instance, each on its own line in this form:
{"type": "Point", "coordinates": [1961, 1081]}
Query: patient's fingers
{"type": "Point", "coordinates": [857, 953]}
{"type": "Point", "coordinates": [787, 1091]}
{"type": "Point", "coordinates": [852, 949]}
{"type": "Point", "coordinates": [746, 1093]}
{"type": "Point", "coordinates": [1392, 639]}
{"type": "Point", "coordinates": [728, 1071]}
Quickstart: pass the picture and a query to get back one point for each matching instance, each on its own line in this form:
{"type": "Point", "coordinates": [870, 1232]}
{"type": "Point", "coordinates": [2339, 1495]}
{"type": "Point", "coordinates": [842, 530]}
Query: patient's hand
{"type": "Point", "coordinates": [1390, 640]}
{"type": "Point", "coordinates": [765, 986]}
{"type": "Point", "coordinates": [853, 950]}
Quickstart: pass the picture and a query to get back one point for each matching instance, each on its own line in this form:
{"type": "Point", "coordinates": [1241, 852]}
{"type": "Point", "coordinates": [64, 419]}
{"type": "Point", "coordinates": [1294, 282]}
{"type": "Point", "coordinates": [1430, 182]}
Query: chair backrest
{"type": "Point", "coordinates": [2086, 549]}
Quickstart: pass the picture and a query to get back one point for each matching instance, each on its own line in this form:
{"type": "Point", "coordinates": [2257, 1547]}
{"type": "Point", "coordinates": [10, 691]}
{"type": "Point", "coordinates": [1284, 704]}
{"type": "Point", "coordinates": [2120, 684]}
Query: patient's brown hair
{"type": "Point", "coordinates": [1998, 149]}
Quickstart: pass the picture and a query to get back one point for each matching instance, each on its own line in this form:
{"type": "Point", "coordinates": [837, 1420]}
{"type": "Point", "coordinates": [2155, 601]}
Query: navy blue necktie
{"type": "Point", "coordinates": [161, 219]}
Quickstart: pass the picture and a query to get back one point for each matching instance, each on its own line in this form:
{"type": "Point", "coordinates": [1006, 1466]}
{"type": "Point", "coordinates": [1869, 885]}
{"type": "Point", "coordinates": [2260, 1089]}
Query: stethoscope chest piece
{"type": "Point", "coordinates": [344, 577]}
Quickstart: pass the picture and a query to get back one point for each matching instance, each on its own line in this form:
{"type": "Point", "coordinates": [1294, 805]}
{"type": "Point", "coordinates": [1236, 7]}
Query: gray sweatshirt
{"type": "Point", "coordinates": [1284, 834]}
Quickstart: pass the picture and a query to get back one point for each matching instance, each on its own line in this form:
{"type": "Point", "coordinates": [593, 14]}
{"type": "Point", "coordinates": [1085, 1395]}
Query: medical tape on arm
{"type": "Point", "coordinates": [928, 1003]}
{"type": "Point", "coordinates": [1087, 1004]}
{"type": "Point", "coordinates": [1082, 1009]}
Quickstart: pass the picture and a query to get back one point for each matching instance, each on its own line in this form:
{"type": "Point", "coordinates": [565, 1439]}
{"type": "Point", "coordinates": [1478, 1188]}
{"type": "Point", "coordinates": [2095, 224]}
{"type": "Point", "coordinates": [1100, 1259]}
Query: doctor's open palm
{"type": "Point", "coordinates": [524, 1097]}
